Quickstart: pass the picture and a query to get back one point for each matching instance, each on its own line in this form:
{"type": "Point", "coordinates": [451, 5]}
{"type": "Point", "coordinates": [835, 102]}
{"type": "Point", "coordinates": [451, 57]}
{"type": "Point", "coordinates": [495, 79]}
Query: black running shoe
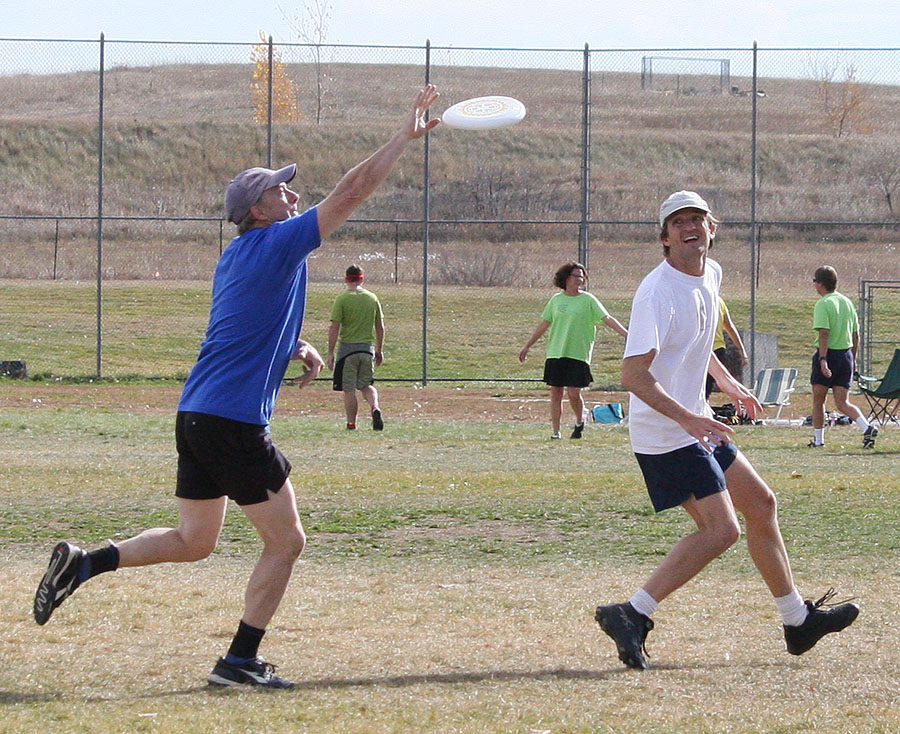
{"type": "Point", "coordinates": [579, 429]}
{"type": "Point", "coordinates": [59, 582]}
{"type": "Point", "coordinates": [628, 629]}
{"type": "Point", "coordinates": [819, 623]}
{"type": "Point", "coordinates": [256, 672]}
{"type": "Point", "coordinates": [377, 420]}
{"type": "Point", "coordinates": [869, 437]}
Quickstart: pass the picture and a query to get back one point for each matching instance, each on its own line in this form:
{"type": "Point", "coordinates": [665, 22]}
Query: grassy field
{"type": "Point", "coordinates": [153, 329]}
{"type": "Point", "coordinates": [449, 582]}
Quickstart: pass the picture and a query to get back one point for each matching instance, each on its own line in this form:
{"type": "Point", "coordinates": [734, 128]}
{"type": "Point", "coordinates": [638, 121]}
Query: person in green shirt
{"type": "Point", "coordinates": [357, 323]}
{"type": "Point", "coordinates": [572, 317]}
{"type": "Point", "coordinates": [833, 363]}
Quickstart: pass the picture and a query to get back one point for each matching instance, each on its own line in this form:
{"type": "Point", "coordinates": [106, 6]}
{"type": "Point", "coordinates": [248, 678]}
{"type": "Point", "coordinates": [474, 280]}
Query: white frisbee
{"type": "Point", "coordinates": [483, 113]}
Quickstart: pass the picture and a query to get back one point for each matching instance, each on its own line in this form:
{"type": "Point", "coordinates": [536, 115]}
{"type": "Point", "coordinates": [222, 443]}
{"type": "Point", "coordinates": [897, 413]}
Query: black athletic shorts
{"type": "Point", "coordinates": [840, 362]}
{"type": "Point", "coordinates": [692, 471]}
{"type": "Point", "coordinates": [566, 372]}
{"type": "Point", "coordinates": [218, 457]}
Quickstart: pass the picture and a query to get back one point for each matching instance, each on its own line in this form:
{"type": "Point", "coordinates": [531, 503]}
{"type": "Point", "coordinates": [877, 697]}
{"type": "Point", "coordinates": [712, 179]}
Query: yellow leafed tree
{"type": "Point", "coordinates": [284, 91]}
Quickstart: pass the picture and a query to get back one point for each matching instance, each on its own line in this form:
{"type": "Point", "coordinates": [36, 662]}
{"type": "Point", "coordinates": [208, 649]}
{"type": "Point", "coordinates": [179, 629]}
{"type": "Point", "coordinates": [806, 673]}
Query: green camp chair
{"type": "Point", "coordinates": [883, 400]}
{"type": "Point", "coordinates": [774, 387]}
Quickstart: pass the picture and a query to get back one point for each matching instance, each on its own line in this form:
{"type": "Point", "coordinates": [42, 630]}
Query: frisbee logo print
{"type": "Point", "coordinates": [485, 108]}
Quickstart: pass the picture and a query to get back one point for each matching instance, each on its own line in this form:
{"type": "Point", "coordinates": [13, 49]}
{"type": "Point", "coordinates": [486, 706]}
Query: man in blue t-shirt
{"type": "Point", "coordinates": [222, 427]}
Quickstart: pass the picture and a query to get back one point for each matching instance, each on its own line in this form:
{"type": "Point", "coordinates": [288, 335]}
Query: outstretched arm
{"type": "Point", "coordinates": [361, 180]}
{"type": "Point", "coordinates": [613, 323]}
{"type": "Point", "coordinates": [538, 332]}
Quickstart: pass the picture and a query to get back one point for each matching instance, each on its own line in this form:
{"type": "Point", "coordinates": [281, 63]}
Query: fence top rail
{"type": "Point", "coordinates": [427, 44]}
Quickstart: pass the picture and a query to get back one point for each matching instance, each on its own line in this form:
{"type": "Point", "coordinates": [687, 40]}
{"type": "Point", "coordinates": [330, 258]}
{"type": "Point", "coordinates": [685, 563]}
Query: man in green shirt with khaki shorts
{"type": "Point", "coordinates": [834, 361]}
{"type": "Point", "coordinates": [357, 325]}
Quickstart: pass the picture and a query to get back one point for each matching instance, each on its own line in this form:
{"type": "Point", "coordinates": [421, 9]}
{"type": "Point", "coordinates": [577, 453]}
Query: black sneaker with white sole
{"type": "Point", "coordinates": [869, 437]}
{"type": "Point", "coordinates": [628, 628]}
{"type": "Point", "coordinates": [819, 623]}
{"type": "Point", "coordinates": [60, 580]}
{"type": "Point", "coordinates": [256, 672]}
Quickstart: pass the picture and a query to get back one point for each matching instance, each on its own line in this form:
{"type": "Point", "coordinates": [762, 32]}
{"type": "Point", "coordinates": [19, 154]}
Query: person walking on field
{"type": "Point", "coordinates": [572, 317]}
{"type": "Point", "coordinates": [357, 324]}
{"type": "Point", "coordinates": [834, 361]}
{"type": "Point", "coordinates": [222, 426]}
{"type": "Point", "coordinates": [686, 456]}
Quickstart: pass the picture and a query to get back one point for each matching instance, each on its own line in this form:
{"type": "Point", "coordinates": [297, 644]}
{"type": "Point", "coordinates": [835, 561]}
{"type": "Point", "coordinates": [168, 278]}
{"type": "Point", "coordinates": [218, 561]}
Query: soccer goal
{"type": "Point", "coordinates": [686, 75]}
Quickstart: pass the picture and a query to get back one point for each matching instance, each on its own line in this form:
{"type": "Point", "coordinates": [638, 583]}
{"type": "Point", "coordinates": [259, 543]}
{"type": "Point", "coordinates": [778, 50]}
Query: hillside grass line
{"type": "Point", "coordinates": [447, 587]}
{"type": "Point", "coordinates": [166, 124]}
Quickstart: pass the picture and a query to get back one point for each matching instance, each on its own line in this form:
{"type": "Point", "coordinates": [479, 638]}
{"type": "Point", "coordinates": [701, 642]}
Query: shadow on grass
{"type": "Point", "coordinates": [391, 681]}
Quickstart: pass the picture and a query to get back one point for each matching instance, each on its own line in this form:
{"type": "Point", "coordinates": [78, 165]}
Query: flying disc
{"type": "Point", "coordinates": [483, 113]}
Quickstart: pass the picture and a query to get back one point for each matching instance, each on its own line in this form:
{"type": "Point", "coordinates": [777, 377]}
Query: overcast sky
{"type": "Point", "coordinates": [514, 23]}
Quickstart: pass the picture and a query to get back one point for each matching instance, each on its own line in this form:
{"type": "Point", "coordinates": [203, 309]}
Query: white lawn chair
{"type": "Point", "coordinates": [774, 387]}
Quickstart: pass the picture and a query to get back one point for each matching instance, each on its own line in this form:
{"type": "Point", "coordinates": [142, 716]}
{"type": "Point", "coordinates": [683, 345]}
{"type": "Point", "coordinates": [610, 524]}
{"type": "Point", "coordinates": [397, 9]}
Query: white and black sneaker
{"type": "Point", "coordinates": [869, 437]}
{"type": "Point", "coordinates": [60, 580]}
{"type": "Point", "coordinates": [256, 672]}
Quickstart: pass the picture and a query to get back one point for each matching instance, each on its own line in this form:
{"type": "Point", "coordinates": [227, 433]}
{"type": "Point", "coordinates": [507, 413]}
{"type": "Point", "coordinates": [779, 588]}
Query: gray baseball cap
{"type": "Point", "coordinates": [681, 200]}
{"type": "Point", "coordinates": [248, 186]}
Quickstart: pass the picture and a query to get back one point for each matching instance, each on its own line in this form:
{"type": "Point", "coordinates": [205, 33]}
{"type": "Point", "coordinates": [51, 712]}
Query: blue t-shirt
{"type": "Point", "coordinates": [258, 299]}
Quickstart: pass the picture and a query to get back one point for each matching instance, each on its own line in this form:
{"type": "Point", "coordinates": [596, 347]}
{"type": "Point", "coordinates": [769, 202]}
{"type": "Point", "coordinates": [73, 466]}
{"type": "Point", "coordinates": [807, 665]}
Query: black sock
{"type": "Point", "coordinates": [245, 644]}
{"type": "Point", "coordinates": [100, 561]}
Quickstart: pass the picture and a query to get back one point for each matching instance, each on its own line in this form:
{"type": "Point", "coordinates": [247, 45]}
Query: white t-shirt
{"type": "Point", "coordinates": [676, 314]}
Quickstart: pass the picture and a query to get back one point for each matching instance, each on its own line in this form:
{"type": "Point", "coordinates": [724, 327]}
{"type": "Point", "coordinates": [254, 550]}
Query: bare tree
{"type": "Point", "coordinates": [844, 100]}
{"type": "Point", "coordinates": [882, 168]}
{"type": "Point", "coordinates": [310, 24]}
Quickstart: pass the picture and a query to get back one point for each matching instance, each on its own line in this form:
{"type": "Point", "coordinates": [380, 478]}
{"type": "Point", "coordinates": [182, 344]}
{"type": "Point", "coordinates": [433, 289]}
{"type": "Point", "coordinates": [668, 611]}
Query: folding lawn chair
{"type": "Point", "coordinates": [884, 400]}
{"type": "Point", "coordinates": [774, 387]}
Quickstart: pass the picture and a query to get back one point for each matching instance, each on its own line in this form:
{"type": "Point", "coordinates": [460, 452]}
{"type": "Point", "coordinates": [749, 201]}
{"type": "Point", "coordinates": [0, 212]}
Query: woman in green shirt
{"type": "Point", "coordinates": [572, 317]}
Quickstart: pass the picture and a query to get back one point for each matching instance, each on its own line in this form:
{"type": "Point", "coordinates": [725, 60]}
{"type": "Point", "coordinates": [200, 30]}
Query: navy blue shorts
{"type": "Point", "coordinates": [840, 362]}
{"type": "Point", "coordinates": [218, 457]}
{"type": "Point", "coordinates": [674, 477]}
{"type": "Point", "coordinates": [566, 372]}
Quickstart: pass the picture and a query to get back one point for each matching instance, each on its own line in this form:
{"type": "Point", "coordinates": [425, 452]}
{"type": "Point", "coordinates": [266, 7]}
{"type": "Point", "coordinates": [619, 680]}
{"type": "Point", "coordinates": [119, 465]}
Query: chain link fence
{"type": "Point", "coordinates": [115, 155]}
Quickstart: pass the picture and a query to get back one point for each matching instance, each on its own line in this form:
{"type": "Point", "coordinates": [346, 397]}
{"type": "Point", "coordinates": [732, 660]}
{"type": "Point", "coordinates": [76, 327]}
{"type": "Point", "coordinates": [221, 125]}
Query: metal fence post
{"type": "Point", "coordinates": [426, 228]}
{"type": "Point", "coordinates": [55, 249]}
{"type": "Point", "coordinates": [583, 244]}
{"type": "Point", "coordinates": [100, 214]}
{"type": "Point", "coordinates": [754, 225]}
{"type": "Point", "coordinates": [269, 108]}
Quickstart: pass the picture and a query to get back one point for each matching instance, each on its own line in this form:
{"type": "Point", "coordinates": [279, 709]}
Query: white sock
{"type": "Point", "coordinates": [644, 603]}
{"type": "Point", "coordinates": [862, 422]}
{"type": "Point", "coordinates": [819, 435]}
{"type": "Point", "coordinates": [793, 609]}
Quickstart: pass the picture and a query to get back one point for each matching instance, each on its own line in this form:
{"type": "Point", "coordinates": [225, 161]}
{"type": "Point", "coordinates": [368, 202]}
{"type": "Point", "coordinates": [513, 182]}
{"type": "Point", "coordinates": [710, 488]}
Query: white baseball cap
{"type": "Point", "coordinates": [681, 200]}
{"type": "Point", "coordinates": [248, 186]}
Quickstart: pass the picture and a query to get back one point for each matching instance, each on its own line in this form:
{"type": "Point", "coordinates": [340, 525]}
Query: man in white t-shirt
{"type": "Point", "coordinates": [686, 455]}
